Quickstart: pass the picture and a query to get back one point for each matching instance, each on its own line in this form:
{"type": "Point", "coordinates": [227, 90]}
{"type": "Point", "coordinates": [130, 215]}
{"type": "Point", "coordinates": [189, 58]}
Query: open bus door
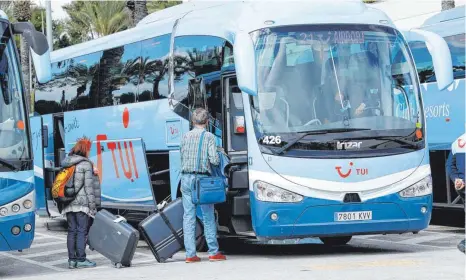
{"type": "Point", "coordinates": [48, 138]}
{"type": "Point", "coordinates": [39, 138]}
{"type": "Point", "coordinates": [238, 219]}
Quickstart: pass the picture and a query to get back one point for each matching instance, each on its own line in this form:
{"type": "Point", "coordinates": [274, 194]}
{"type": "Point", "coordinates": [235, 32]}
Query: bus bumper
{"type": "Point", "coordinates": [10, 242]}
{"type": "Point", "coordinates": [316, 217]}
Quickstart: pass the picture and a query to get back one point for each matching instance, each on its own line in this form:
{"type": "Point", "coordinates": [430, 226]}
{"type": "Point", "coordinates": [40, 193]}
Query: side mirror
{"type": "Point", "coordinates": [39, 49]}
{"type": "Point", "coordinates": [245, 63]}
{"type": "Point", "coordinates": [440, 53]}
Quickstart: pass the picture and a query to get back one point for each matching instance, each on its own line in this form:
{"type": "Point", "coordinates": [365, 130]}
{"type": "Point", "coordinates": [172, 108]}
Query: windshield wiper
{"type": "Point", "coordinates": [388, 138]}
{"type": "Point", "coordinates": [315, 132]}
{"type": "Point", "coordinates": [9, 165]}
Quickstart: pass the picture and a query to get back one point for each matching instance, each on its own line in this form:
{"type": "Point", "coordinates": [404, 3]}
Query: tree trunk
{"type": "Point", "coordinates": [448, 4]}
{"type": "Point", "coordinates": [140, 11]}
{"type": "Point", "coordinates": [25, 71]}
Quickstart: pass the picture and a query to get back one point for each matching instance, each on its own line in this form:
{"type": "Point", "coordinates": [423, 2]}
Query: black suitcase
{"type": "Point", "coordinates": [163, 230]}
{"type": "Point", "coordinates": [114, 238]}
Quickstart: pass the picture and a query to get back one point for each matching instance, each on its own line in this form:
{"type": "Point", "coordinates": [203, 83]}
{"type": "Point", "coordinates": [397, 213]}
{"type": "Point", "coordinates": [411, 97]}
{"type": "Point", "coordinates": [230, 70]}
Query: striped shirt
{"type": "Point", "coordinates": [189, 148]}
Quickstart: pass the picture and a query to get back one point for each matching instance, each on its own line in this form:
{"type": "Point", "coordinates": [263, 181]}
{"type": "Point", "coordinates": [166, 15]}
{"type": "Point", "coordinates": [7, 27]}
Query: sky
{"type": "Point", "coordinates": [57, 11]}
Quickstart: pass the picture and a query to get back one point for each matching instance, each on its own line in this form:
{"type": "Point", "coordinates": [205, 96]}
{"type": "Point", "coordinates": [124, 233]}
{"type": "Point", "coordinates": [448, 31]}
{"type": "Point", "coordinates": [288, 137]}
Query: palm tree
{"type": "Point", "coordinates": [101, 18]}
{"type": "Point", "coordinates": [138, 10]}
{"type": "Point", "coordinates": [448, 4]}
{"type": "Point", "coordinates": [22, 12]}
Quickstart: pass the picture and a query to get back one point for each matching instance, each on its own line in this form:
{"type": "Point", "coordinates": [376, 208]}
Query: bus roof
{"type": "Point", "coordinates": [451, 14]}
{"type": "Point", "coordinates": [224, 19]}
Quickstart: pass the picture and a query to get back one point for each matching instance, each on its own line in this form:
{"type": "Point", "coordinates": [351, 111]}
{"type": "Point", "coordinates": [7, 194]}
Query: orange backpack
{"type": "Point", "coordinates": [62, 183]}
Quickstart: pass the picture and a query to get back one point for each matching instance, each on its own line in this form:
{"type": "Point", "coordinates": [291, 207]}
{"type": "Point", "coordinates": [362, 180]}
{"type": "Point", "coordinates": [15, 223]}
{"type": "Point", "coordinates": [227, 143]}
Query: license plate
{"type": "Point", "coordinates": [353, 216]}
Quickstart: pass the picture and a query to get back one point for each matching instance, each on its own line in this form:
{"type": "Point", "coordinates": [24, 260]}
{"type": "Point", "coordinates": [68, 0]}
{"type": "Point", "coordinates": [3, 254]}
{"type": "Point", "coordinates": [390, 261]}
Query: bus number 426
{"type": "Point", "coordinates": [272, 140]}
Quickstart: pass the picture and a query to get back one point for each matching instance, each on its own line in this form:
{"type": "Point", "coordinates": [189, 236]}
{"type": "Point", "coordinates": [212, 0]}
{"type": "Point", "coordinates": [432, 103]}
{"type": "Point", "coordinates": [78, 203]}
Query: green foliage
{"type": "Point", "coordinates": [99, 18]}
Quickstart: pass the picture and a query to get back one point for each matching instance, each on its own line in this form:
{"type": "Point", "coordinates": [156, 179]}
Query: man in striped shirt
{"type": "Point", "coordinates": [189, 171]}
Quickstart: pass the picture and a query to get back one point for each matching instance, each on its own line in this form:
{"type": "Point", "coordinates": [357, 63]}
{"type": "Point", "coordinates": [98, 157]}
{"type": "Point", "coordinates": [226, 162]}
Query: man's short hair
{"type": "Point", "coordinates": [200, 116]}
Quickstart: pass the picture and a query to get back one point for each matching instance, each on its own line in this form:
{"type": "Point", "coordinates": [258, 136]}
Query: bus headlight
{"type": "Point", "coordinates": [27, 204]}
{"type": "Point", "coordinates": [15, 208]}
{"type": "Point", "coordinates": [3, 211]}
{"type": "Point", "coordinates": [267, 192]}
{"type": "Point", "coordinates": [421, 188]}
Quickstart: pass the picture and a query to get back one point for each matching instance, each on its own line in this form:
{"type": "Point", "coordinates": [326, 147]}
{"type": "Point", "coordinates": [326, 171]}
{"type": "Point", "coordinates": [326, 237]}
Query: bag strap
{"type": "Point", "coordinates": [170, 226]}
{"type": "Point", "coordinates": [199, 151]}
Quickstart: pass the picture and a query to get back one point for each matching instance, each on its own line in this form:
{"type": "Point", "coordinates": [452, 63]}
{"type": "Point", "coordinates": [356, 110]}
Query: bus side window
{"type": "Point", "coordinates": [154, 68]}
{"type": "Point", "coordinates": [118, 76]}
{"type": "Point", "coordinates": [456, 44]}
{"type": "Point", "coordinates": [83, 91]}
{"type": "Point", "coordinates": [50, 97]}
{"type": "Point", "coordinates": [423, 60]}
{"type": "Point", "coordinates": [197, 73]}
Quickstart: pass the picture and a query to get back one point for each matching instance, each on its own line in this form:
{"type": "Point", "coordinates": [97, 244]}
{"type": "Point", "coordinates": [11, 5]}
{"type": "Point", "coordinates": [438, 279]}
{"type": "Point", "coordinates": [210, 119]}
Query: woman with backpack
{"type": "Point", "coordinates": [79, 211]}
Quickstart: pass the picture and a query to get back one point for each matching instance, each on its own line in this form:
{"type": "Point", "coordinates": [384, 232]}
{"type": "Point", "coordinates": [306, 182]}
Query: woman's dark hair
{"type": "Point", "coordinates": [82, 147]}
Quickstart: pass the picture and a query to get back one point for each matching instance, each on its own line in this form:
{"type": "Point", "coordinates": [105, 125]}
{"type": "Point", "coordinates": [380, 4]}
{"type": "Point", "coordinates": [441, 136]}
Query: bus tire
{"type": "Point", "coordinates": [335, 241]}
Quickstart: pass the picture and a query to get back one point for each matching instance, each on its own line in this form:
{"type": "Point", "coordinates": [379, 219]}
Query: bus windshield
{"type": "Point", "coordinates": [335, 77]}
{"type": "Point", "coordinates": [13, 133]}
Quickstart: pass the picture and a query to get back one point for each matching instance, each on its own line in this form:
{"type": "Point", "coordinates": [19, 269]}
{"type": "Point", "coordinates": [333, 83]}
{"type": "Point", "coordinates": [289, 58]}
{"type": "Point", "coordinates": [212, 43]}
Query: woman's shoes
{"type": "Point", "coordinates": [71, 264]}
{"type": "Point", "coordinates": [85, 264]}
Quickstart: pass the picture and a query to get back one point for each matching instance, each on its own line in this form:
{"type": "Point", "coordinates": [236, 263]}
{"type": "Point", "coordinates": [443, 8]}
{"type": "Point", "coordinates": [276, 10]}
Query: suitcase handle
{"type": "Point", "coordinates": [119, 219]}
{"type": "Point", "coordinates": [162, 205]}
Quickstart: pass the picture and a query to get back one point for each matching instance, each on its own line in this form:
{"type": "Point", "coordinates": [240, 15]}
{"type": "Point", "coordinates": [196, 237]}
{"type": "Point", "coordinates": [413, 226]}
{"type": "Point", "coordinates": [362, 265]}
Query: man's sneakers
{"type": "Point", "coordinates": [193, 259]}
{"type": "Point", "coordinates": [461, 246]}
{"type": "Point", "coordinates": [217, 257]}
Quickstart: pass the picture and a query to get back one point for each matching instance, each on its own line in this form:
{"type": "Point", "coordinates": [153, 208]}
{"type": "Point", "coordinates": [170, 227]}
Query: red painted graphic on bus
{"type": "Point", "coordinates": [128, 164]}
{"type": "Point", "coordinates": [344, 175]}
{"type": "Point", "coordinates": [461, 143]}
{"type": "Point", "coordinates": [359, 171]}
{"type": "Point", "coordinates": [126, 118]}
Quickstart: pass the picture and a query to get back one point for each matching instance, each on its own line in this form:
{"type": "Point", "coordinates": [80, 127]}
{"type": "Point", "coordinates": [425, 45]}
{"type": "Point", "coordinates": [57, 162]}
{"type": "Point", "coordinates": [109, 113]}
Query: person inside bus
{"type": "Point", "coordinates": [354, 88]}
{"type": "Point", "coordinates": [208, 156]}
{"type": "Point", "coordinates": [456, 169]}
{"type": "Point", "coordinates": [80, 211]}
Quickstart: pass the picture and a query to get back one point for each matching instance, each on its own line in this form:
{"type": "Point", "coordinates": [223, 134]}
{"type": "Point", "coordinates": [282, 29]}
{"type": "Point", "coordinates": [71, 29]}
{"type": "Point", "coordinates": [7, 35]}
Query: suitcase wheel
{"type": "Point", "coordinates": [117, 265]}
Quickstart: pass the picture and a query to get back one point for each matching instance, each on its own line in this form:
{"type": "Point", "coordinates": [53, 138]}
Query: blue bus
{"type": "Point", "coordinates": [318, 107]}
{"type": "Point", "coordinates": [444, 109]}
{"type": "Point", "coordinates": [17, 192]}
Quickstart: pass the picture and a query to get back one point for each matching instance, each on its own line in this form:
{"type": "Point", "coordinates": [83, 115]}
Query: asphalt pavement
{"type": "Point", "coordinates": [431, 254]}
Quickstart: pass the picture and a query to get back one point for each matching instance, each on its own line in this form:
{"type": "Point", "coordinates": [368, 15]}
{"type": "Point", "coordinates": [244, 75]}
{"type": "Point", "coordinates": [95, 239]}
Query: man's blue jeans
{"type": "Point", "coordinates": [189, 220]}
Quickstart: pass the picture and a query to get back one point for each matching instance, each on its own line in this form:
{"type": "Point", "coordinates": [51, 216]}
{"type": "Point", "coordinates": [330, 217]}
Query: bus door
{"type": "Point", "coordinates": [235, 141]}
{"type": "Point", "coordinates": [53, 154]}
{"type": "Point", "coordinates": [39, 139]}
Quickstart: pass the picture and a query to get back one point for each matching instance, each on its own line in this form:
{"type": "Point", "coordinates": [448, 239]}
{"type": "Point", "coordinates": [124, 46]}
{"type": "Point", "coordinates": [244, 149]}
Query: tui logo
{"type": "Point", "coordinates": [345, 174]}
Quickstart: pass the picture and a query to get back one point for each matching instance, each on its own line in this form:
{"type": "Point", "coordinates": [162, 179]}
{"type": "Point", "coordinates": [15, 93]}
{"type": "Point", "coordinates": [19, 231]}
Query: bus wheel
{"type": "Point", "coordinates": [335, 241]}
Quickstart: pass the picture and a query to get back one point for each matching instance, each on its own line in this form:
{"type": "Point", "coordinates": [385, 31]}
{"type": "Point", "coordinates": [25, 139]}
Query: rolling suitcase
{"type": "Point", "coordinates": [114, 238]}
{"type": "Point", "coordinates": [163, 230]}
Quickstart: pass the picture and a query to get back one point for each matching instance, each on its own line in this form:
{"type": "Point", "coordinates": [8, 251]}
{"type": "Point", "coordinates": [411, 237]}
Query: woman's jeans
{"type": "Point", "coordinates": [78, 227]}
{"type": "Point", "coordinates": [189, 220]}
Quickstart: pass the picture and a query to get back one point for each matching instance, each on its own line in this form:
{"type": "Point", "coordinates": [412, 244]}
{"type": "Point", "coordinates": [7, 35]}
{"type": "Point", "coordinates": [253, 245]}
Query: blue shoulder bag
{"type": "Point", "coordinates": [207, 190]}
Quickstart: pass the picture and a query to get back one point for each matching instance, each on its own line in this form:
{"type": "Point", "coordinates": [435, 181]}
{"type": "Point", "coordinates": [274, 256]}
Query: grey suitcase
{"type": "Point", "coordinates": [163, 230]}
{"type": "Point", "coordinates": [114, 238]}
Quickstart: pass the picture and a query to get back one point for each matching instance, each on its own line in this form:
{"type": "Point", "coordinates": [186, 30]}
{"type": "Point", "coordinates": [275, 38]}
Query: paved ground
{"type": "Point", "coordinates": [431, 254]}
